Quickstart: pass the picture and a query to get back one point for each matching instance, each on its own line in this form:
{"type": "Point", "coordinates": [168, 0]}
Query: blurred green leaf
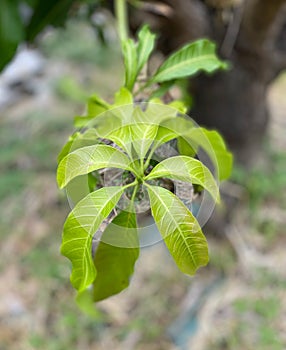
{"type": "Point", "coordinates": [115, 256]}
{"type": "Point", "coordinates": [52, 12]}
{"type": "Point", "coordinates": [11, 30]}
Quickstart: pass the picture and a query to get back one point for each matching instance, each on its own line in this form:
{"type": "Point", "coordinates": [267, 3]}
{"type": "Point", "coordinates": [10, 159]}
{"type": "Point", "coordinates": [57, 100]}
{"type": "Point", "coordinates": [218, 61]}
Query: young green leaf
{"type": "Point", "coordinates": [84, 160]}
{"type": "Point", "coordinates": [145, 46]}
{"type": "Point", "coordinates": [184, 147]}
{"type": "Point", "coordinates": [130, 62]}
{"type": "Point", "coordinates": [179, 229]}
{"type": "Point", "coordinates": [199, 55]}
{"type": "Point", "coordinates": [115, 256]}
{"type": "Point", "coordinates": [186, 169]}
{"type": "Point", "coordinates": [193, 138]}
{"type": "Point", "coordinates": [78, 140]}
{"type": "Point", "coordinates": [123, 97]}
{"type": "Point", "coordinates": [79, 228]}
{"type": "Point", "coordinates": [213, 144]}
{"type": "Point", "coordinates": [96, 105]}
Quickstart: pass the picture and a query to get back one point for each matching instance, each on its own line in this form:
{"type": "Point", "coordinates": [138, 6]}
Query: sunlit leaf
{"type": "Point", "coordinates": [123, 97]}
{"type": "Point", "coordinates": [79, 228]}
{"type": "Point", "coordinates": [179, 229]}
{"type": "Point", "coordinates": [90, 158]}
{"type": "Point", "coordinates": [186, 169]}
{"type": "Point", "coordinates": [213, 144]}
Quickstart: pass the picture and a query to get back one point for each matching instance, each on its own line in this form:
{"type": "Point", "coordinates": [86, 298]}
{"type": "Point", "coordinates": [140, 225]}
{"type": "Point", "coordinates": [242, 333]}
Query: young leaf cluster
{"type": "Point", "coordinates": [100, 235]}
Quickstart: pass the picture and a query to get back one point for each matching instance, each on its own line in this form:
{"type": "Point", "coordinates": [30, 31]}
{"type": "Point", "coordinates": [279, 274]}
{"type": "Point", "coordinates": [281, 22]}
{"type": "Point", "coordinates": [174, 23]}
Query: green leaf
{"type": "Point", "coordinates": [115, 256]}
{"type": "Point", "coordinates": [145, 46]}
{"type": "Point", "coordinates": [199, 55]}
{"type": "Point", "coordinates": [52, 12]}
{"type": "Point", "coordinates": [86, 304]}
{"type": "Point", "coordinates": [191, 138]}
{"type": "Point", "coordinates": [143, 132]}
{"type": "Point", "coordinates": [130, 62]}
{"type": "Point", "coordinates": [79, 228]}
{"type": "Point", "coordinates": [78, 140]}
{"type": "Point", "coordinates": [162, 89]}
{"type": "Point", "coordinates": [179, 229]}
{"type": "Point", "coordinates": [96, 105]}
{"type": "Point", "coordinates": [213, 144]}
{"type": "Point", "coordinates": [184, 148]}
{"type": "Point", "coordinates": [11, 30]}
{"type": "Point", "coordinates": [186, 169]}
{"type": "Point", "coordinates": [123, 97]}
{"type": "Point", "coordinates": [87, 159]}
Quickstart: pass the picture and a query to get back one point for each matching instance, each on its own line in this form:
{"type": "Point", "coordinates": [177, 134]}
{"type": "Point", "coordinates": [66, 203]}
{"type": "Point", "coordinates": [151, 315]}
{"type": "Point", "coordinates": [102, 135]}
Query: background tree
{"type": "Point", "coordinates": [251, 35]}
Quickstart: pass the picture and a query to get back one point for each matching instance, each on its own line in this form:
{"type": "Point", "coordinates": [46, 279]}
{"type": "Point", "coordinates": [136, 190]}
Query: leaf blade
{"type": "Point", "coordinates": [145, 46]}
{"type": "Point", "coordinates": [130, 62]}
{"type": "Point", "coordinates": [115, 256]}
{"type": "Point", "coordinates": [186, 169]}
{"type": "Point", "coordinates": [81, 224]}
{"type": "Point", "coordinates": [87, 159]}
{"type": "Point", "coordinates": [199, 55]}
{"type": "Point", "coordinates": [179, 229]}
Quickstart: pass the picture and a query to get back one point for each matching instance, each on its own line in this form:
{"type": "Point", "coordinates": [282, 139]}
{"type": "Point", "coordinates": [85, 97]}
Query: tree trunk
{"type": "Point", "coordinates": [250, 35]}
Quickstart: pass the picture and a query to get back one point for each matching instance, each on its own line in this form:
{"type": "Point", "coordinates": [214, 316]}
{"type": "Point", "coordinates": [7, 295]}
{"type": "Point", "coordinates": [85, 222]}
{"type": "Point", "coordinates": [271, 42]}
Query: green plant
{"type": "Point", "coordinates": [100, 235]}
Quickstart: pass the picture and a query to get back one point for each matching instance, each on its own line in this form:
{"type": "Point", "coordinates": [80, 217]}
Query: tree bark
{"type": "Point", "coordinates": [234, 102]}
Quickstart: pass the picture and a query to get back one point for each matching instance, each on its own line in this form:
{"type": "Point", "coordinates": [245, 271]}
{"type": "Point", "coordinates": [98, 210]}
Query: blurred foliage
{"type": "Point", "coordinates": [23, 20]}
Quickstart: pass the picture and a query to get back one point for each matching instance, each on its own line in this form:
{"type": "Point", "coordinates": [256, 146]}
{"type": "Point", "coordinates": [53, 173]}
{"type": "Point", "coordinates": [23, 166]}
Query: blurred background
{"type": "Point", "coordinates": [237, 302]}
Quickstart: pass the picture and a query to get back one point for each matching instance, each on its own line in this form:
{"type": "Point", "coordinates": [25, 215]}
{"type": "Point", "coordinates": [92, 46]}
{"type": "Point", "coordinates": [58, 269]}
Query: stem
{"type": "Point", "coordinates": [134, 183]}
{"type": "Point", "coordinates": [134, 193]}
{"type": "Point", "coordinates": [121, 16]}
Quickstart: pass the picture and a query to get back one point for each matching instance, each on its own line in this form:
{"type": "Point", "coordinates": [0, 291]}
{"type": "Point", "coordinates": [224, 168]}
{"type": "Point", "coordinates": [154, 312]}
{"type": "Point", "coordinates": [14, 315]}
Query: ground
{"type": "Point", "coordinates": [237, 302]}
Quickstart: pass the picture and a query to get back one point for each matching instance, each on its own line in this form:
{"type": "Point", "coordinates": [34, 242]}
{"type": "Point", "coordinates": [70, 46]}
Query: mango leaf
{"type": "Point", "coordinates": [145, 46]}
{"type": "Point", "coordinates": [76, 141]}
{"type": "Point", "coordinates": [96, 105]}
{"type": "Point", "coordinates": [179, 229]}
{"type": "Point", "coordinates": [84, 301]}
{"type": "Point", "coordinates": [191, 138]}
{"type": "Point", "coordinates": [199, 55]}
{"type": "Point", "coordinates": [184, 147]}
{"type": "Point", "coordinates": [186, 169]}
{"type": "Point", "coordinates": [213, 144]}
{"type": "Point", "coordinates": [162, 89]}
{"type": "Point", "coordinates": [130, 62]}
{"type": "Point", "coordinates": [79, 228]}
{"type": "Point", "coordinates": [115, 256]}
{"type": "Point", "coordinates": [87, 159]}
{"type": "Point", "coordinates": [143, 132]}
{"type": "Point", "coordinates": [123, 97]}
